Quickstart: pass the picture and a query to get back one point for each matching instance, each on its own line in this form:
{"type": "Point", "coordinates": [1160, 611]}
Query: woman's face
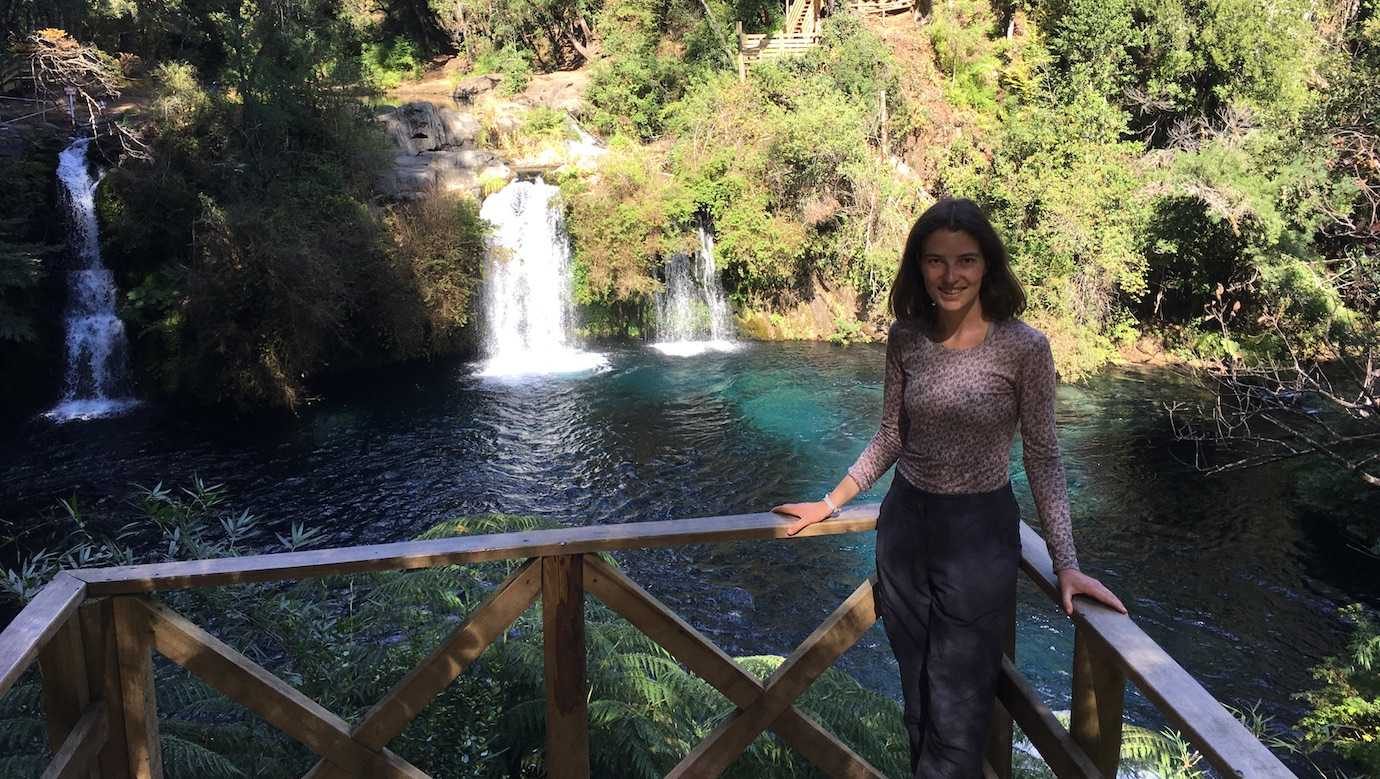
{"type": "Point", "coordinates": [952, 266]}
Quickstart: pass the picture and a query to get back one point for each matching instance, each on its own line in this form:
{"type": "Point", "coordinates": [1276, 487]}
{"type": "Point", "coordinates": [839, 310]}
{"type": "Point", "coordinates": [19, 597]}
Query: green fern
{"type": "Point", "coordinates": [188, 759]}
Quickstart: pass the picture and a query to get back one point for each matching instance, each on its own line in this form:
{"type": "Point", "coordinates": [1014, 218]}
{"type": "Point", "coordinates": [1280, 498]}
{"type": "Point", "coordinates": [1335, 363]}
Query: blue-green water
{"type": "Point", "coordinates": [1236, 576]}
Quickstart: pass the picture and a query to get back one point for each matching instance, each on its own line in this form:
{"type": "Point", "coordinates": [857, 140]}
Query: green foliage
{"type": "Point", "coordinates": [439, 242]}
{"type": "Point", "coordinates": [616, 224]}
{"type": "Point", "coordinates": [657, 52]}
{"type": "Point", "coordinates": [252, 264]}
{"type": "Point", "coordinates": [1091, 42]}
{"type": "Point", "coordinates": [1345, 709]}
{"type": "Point", "coordinates": [1165, 754]}
{"type": "Point", "coordinates": [629, 91]}
{"type": "Point", "coordinates": [1172, 58]}
{"type": "Point", "coordinates": [511, 62]}
{"type": "Point", "coordinates": [785, 166]}
{"type": "Point", "coordinates": [386, 64]}
{"type": "Point", "coordinates": [31, 233]}
{"type": "Point", "coordinates": [24, 254]}
{"type": "Point", "coordinates": [179, 100]}
{"type": "Point", "coordinates": [552, 33]}
{"type": "Point", "coordinates": [1068, 196]}
{"type": "Point", "coordinates": [966, 51]}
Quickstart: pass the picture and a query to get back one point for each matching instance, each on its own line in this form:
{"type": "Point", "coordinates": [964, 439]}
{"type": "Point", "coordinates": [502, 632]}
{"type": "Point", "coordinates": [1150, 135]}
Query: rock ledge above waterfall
{"type": "Point", "coordinates": [438, 147]}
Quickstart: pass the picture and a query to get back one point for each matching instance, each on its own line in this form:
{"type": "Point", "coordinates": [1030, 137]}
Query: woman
{"type": "Point", "coordinates": [961, 372]}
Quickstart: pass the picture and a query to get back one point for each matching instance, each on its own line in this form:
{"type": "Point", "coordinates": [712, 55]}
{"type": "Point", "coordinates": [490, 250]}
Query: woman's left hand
{"type": "Point", "coordinates": [1073, 582]}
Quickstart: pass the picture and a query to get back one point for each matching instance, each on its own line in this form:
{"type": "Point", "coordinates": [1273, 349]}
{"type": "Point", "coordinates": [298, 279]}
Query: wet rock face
{"type": "Point", "coordinates": [438, 148]}
{"type": "Point", "coordinates": [419, 127]}
{"type": "Point", "coordinates": [414, 175]}
{"type": "Point", "coordinates": [437, 151]}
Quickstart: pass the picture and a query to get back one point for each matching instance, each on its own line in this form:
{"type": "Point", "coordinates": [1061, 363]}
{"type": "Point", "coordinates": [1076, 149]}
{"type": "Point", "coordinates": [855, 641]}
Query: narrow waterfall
{"type": "Point", "coordinates": [527, 286]}
{"type": "Point", "coordinates": [692, 315]}
{"type": "Point", "coordinates": [97, 382]}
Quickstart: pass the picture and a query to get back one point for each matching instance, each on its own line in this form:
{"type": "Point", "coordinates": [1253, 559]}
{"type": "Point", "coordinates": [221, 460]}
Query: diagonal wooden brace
{"type": "Point", "coordinates": [712, 664]}
{"type": "Point", "coordinates": [390, 716]}
{"type": "Point", "coordinates": [252, 686]}
{"type": "Point", "coordinates": [813, 657]}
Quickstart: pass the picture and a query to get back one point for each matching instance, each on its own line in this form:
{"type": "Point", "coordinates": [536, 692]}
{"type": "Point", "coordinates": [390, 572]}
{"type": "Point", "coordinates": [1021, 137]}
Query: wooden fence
{"type": "Point", "coordinates": [94, 632]}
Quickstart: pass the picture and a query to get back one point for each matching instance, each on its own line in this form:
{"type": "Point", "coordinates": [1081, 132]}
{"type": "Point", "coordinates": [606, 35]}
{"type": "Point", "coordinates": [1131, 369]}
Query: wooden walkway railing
{"type": "Point", "coordinates": [93, 632]}
{"type": "Point", "coordinates": [800, 31]}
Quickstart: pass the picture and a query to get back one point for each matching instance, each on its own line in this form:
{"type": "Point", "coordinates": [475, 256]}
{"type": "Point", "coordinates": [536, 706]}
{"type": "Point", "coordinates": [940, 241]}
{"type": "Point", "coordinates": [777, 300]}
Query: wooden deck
{"type": "Point", "coordinates": [94, 631]}
{"type": "Point", "coordinates": [800, 31]}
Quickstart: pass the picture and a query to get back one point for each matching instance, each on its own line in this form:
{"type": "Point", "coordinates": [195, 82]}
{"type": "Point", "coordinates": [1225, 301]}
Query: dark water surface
{"type": "Point", "coordinates": [1236, 576]}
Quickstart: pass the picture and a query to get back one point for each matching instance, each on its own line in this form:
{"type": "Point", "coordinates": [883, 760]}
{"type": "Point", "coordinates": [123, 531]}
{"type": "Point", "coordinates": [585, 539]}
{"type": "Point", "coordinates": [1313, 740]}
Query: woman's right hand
{"type": "Point", "coordinates": [806, 514]}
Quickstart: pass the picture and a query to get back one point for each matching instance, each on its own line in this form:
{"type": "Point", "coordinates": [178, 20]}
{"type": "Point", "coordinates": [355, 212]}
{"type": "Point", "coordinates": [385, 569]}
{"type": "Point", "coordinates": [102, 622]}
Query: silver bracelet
{"type": "Point", "coordinates": [833, 510]}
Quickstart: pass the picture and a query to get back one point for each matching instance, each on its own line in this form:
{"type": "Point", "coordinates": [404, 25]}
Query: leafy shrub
{"type": "Point", "coordinates": [386, 64]}
{"type": "Point", "coordinates": [966, 51]}
{"type": "Point", "coordinates": [440, 243]}
{"type": "Point", "coordinates": [619, 226]}
{"type": "Point", "coordinates": [1345, 713]}
{"type": "Point", "coordinates": [178, 97]}
{"type": "Point", "coordinates": [512, 63]}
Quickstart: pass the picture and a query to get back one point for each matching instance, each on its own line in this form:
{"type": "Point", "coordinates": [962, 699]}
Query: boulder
{"type": "Point", "coordinates": [420, 126]}
{"type": "Point", "coordinates": [470, 88]}
{"type": "Point", "coordinates": [414, 175]}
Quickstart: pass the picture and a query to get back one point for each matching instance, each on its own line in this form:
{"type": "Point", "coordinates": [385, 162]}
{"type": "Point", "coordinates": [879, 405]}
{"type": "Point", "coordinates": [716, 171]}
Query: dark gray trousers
{"type": "Point", "coordinates": [946, 585]}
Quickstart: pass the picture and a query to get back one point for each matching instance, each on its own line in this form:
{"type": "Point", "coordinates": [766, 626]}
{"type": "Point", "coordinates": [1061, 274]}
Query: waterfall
{"type": "Point", "coordinates": [692, 315]}
{"type": "Point", "coordinates": [97, 375]}
{"type": "Point", "coordinates": [527, 285]}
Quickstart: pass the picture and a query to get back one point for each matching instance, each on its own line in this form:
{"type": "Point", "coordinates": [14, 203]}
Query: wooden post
{"type": "Point", "coordinates": [563, 626]}
{"type": "Point", "coordinates": [62, 666]}
{"type": "Point", "coordinates": [66, 690]}
{"type": "Point", "coordinates": [134, 653]}
{"type": "Point", "coordinates": [103, 680]}
{"type": "Point", "coordinates": [742, 64]}
{"type": "Point", "coordinates": [1099, 694]}
{"type": "Point", "coordinates": [1000, 733]}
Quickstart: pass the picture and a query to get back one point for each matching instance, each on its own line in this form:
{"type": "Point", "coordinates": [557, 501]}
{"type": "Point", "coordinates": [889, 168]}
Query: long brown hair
{"type": "Point", "coordinates": [1002, 295]}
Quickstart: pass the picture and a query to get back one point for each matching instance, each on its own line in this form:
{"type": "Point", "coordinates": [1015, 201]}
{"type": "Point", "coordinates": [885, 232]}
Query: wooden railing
{"type": "Point", "coordinates": [93, 632]}
{"type": "Point", "coordinates": [799, 33]}
{"type": "Point", "coordinates": [880, 7]}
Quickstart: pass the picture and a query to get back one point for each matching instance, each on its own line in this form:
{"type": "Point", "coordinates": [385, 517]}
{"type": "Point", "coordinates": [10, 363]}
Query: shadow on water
{"type": "Point", "coordinates": [1235, 575]}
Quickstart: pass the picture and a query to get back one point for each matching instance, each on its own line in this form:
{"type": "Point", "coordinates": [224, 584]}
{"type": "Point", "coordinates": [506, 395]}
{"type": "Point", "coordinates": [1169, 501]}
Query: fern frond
{"type": "Point", "coordinates": [183, 758]}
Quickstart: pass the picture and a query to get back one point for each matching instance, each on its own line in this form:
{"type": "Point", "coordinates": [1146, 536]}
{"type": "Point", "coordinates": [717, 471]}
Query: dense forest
{"type": "Point", "coordinates": [1204, 173]}
{"type": "Point", "coordinates": [1199, 179]}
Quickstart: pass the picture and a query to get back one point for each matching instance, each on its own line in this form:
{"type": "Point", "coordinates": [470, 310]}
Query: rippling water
{"type": "Point", "coordinates": [1235, 576]}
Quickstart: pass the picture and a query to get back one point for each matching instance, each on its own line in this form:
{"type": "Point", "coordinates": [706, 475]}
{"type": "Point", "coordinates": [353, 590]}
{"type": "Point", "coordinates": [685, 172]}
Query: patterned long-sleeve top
{"type": "Point", "coordinates": [949, 417]}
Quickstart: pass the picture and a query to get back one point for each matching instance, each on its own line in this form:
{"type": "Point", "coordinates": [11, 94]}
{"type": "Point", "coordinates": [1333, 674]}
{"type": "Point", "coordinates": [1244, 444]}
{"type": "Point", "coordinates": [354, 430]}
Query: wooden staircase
{"type": "Point", "coordinates": [800, 33]}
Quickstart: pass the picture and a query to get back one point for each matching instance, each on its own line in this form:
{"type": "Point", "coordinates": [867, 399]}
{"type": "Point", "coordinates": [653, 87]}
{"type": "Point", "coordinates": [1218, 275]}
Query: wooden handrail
{"type": "Point", "coordinates": [36, 624]}
{"type": "Point", "coordinates": [409, 555]}
{"type": "Point", "coordinates": [1110, 649]}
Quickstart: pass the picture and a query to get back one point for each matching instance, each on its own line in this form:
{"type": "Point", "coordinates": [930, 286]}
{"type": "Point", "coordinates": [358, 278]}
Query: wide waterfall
{"type": "Point", "coordinates": [97, 382]}
{"type": "Point", "coordinates": [527, 286]}
{"type": "Point", "coordinates": [692, 315]}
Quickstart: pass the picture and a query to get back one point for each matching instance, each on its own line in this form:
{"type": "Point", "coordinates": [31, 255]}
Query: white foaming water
{"type": "Point", "coordinates": [97, 375]}
{"type": "Point", "coordinates": [695, 348]}
{"type": "Point", "coordinates": [692, 315]}
{"type": "Point", "coordinates": [527, 287]}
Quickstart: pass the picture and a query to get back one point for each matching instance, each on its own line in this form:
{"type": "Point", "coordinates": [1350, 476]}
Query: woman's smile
{"type": "Point", "coordinates": [952, 267]}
